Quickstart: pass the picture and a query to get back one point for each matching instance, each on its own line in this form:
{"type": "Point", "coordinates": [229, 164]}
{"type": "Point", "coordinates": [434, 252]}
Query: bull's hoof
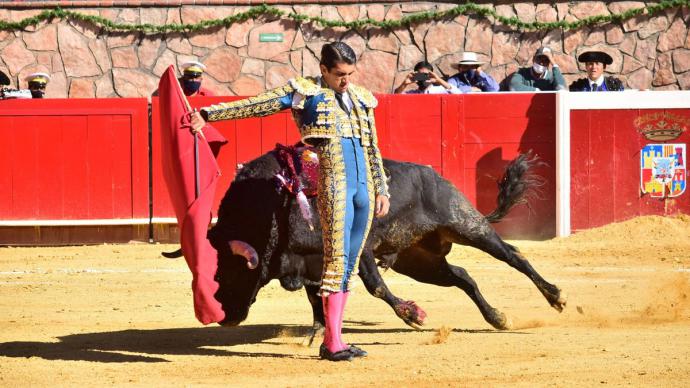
{"type": "Point", "coordinates": [316, 332]}
{"type": "Point", "coordinates": [499, 320]}
{"type": "Point", "coordinates": [557, 299]}
{"type": "Point", "coordinates": [410, 313]}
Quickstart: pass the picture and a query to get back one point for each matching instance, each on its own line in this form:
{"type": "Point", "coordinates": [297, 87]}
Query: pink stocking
{"type": "Point", "coordinates": [333, 306]}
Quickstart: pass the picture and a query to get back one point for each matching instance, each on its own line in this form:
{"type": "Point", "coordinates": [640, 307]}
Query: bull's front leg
{"type": "Point", "coordinates": [319, 323]}
{"type": "Point", "coordinates": [407, 310]}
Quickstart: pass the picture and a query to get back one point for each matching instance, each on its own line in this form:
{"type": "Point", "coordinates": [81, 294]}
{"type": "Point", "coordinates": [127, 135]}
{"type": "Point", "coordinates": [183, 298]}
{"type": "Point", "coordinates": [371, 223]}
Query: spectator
{"type": "Point", "coordinates": [595, 64]}
{"type": "Point", "coordinates": [37, 84]}
{"type": "Point", "coordinates": [192, 77]}
{"type": "Point", "coordinates": [427, 81]}
{"type": "Point", "coordinates": [470, 77]}
{"type": "Point", "coordinates": [538, 77]}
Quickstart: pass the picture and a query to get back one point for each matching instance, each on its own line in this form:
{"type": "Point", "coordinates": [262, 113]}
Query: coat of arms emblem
{"type": "Point", "coordinates": [662, 170]}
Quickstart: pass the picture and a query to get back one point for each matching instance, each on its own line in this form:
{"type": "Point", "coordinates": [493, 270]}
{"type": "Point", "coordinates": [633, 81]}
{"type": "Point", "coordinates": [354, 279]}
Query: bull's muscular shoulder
{"type": "Point", "coordinates": [308, 86]}
{"type": "Point", "coordinates": [364, 95]}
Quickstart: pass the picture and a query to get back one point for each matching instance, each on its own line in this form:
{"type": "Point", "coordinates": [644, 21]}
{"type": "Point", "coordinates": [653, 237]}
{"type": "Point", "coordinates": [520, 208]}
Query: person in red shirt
{"type": "Point", "coordinates": [192, 77]}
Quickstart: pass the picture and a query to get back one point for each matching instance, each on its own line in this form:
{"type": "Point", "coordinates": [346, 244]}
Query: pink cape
{"type": "Point", "coordinates": [193, 212]}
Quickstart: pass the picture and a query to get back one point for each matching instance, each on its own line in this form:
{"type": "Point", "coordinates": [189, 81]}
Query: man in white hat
{"type": "Point", "coordinates": [539, 76]}
{"type": "Point", "coordinates": [192, 76]}
{"type": "Point", "coordinates": [471, 78]}
{"type": "Point", "coordinates": [37, 83]}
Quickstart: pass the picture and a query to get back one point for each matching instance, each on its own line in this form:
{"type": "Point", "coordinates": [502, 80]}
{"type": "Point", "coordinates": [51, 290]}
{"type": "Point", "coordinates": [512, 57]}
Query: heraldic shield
{"type": "Point", "coordinates": [662, 170]}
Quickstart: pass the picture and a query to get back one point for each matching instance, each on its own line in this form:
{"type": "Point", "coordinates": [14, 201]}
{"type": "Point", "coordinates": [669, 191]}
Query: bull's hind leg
{"type": "Point", "coordinates": [431, 267]}
{"type": "Point", "coordinates": [488, 241]}
{"type": "Point", "coordinates": [407, 310]}
{"type": "Point", "coordinates": [319, 323]}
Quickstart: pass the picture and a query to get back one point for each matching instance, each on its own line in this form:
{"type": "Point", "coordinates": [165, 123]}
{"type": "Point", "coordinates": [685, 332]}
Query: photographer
{"type": "Point", "coordinates": [470, 77]}
{"type": "Point", "coordinates": [427, 81]}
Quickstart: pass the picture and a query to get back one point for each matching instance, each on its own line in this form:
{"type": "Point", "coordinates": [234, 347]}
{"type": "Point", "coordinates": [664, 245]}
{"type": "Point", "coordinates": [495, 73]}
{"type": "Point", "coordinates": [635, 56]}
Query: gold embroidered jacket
{"type": "Point", "coordinates": [314, 111]}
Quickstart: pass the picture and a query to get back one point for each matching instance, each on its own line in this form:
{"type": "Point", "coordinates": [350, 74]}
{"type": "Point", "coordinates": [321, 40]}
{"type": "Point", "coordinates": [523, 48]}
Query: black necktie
{"type": "Point", "coordinates": [341, 103]}
{"type": "Point", "coordinates": [594, 87]}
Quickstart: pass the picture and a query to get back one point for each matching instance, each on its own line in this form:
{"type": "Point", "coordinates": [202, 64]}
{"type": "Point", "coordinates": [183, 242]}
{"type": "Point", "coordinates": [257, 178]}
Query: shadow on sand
{"type": "Point", "coordinates": [154, 345]}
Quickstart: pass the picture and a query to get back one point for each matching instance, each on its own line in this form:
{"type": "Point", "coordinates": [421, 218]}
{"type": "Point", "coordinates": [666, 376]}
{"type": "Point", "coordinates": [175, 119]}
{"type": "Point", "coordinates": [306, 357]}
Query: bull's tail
{"type": "Point", "coordinates": [518, 185]}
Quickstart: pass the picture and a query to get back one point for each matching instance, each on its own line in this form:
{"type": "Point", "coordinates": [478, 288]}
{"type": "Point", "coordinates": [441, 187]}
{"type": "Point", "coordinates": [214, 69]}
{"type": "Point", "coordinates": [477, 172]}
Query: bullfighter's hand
{"type": "Point", "coordinates": [198, 123]}
{"type": "Point", "coordinates": [382, 205]}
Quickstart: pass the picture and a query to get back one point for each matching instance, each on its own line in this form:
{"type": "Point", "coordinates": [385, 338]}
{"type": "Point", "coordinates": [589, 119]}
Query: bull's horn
{"type": "Point", "coordinates": [245, 250]}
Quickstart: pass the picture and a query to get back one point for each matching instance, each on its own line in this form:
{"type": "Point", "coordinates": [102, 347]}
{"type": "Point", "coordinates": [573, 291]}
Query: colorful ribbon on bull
{"type": "Point", "coordinates": [298, 175]}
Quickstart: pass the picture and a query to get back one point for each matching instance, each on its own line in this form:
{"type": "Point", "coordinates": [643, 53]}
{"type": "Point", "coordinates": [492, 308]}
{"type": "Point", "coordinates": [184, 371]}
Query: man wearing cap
{"type": "Point", "coordinates": [427, 81]}
{"type": "Point", "coordinates": [538, 77]}
{"type": "Point", "coordinates": [595, 64]}
{"type": "Point", "coordinates": [192, 76]}
{"type": "Point", "coordinates": [37, 84]}
{"type": "Point", "coordinates": [471, 78]}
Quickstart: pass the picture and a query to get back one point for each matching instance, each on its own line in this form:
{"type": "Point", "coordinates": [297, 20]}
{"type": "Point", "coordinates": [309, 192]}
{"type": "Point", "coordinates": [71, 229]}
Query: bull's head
{"type": "Point", "coordinates": [238, 279]}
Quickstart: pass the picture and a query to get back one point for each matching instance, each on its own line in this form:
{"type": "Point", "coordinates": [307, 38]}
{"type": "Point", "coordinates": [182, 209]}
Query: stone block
{"type": "Point", "coordinates": [16, 56]}
{"type": "Point", "coordinates": [444, 38]}
{"type": "Point", "coordinates": [681, 60]}
{"type": "Point", "coordinates": [375, 69]}
{"type": "Point", "coordinates": [247, 86]}
{"type": "Point", "coordinates": [125, 57]}
{"type": "Point", "coordinates": [133, 83]}
{"type": "Point", "coordinates": [223, 64]}
{"type": "Point", "coordinates": [44, 39]}
{"type": "Point", "coordinates": [82, 88]}
{"type": "Point", "coordinates": [674, 37]}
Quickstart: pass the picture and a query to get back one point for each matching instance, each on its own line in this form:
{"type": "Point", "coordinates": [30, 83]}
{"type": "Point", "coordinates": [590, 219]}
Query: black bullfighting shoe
{"type": "Point", "coordinates": [341, 355]}
{"type": "Point", "coordinates": [357, 352]}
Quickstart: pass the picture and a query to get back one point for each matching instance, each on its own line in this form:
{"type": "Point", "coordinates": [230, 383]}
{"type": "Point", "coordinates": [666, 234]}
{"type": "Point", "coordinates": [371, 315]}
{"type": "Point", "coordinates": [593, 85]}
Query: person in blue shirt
{"type": "Point", "coordinates": [595, 64]}
{"type": "Point", "coordinates": [470, 77]}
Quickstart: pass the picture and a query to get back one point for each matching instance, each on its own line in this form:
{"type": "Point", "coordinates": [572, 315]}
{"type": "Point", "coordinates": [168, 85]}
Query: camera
{"type": "Point", "coordinates": [10, 94]}
{"type": "Point", "coordinates": [419, 77]}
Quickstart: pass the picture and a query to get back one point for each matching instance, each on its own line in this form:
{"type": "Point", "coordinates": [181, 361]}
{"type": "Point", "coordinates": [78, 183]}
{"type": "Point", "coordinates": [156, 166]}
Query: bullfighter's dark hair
{"type": "Point", "coordinates": [423, 65]}
{"type": "Point", "coordinates": [337, 52]}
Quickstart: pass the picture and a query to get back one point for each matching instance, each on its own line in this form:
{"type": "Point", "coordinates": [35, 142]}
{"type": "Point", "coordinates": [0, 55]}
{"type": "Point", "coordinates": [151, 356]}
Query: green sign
{"type": "Point", "coordinates": [271, 37]}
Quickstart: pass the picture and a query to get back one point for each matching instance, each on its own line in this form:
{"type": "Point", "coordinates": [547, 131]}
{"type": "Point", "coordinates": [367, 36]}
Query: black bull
{"type": "Point", "coordinates": [427, 215]}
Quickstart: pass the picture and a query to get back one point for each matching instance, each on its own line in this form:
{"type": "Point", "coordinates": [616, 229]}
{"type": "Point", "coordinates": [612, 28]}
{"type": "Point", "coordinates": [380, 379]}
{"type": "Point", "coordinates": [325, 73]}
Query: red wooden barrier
{"type": "Point", "coordinates": [73, 160]}
{"type": "Point", "coordinates": [605, 168]}
{"type": "Point", "coordinates": [469, 139]}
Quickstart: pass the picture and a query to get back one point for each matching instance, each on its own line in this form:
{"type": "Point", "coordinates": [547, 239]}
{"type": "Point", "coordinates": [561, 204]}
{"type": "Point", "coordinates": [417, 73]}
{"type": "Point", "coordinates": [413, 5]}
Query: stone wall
{"type": "Point", "coordinates": [650, 51]}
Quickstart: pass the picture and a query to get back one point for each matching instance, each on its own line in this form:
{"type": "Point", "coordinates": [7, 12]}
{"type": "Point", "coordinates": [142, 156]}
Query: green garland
{"type": "Point", "coordinates": [416, 18]}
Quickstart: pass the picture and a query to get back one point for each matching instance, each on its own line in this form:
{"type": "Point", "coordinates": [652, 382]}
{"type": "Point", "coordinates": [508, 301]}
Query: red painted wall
{"type": "Point", "coordinates": [605, 168]}
{"type": "Point", "coordinates": [469, 139]}
{"type": "Point", "coordinates": [73, 159]}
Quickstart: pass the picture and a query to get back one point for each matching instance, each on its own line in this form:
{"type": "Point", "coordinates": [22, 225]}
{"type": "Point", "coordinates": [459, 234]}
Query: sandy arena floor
{"type": "Point", "coordinates": [122, 315]}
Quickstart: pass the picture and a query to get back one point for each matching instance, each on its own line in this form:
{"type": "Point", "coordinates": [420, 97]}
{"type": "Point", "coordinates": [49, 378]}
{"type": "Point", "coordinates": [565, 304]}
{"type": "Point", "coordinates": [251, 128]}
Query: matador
{"type": "Point", "coordinates": [337, 118]}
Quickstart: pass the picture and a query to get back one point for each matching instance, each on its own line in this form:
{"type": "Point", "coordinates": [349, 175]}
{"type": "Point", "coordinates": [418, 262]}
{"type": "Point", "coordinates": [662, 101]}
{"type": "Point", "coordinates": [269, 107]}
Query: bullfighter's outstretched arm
{"type": "Point", "coordinates": [265, 104]}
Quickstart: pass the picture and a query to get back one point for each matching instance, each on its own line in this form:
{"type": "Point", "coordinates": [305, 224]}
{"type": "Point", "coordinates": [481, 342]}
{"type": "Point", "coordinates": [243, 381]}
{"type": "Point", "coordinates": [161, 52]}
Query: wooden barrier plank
{"type": "Point", "coordinates": [25, 168]}
{"type": "Point", "coordinates": [75, 167]}
{"type": "Point", "coordinates": [121, 188]}
{"type": "Point", "coordinates": [579, 166]}
{"type": "Point", "coordinates": [49, 175]}
{"type": "Point", "coordinates": [7, 160]}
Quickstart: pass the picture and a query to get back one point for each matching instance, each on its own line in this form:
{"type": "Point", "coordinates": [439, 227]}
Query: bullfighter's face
{"type": "Point", "coordinates": [594, 70]}
{"type": "Point", "coordinates": [338, 77]}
